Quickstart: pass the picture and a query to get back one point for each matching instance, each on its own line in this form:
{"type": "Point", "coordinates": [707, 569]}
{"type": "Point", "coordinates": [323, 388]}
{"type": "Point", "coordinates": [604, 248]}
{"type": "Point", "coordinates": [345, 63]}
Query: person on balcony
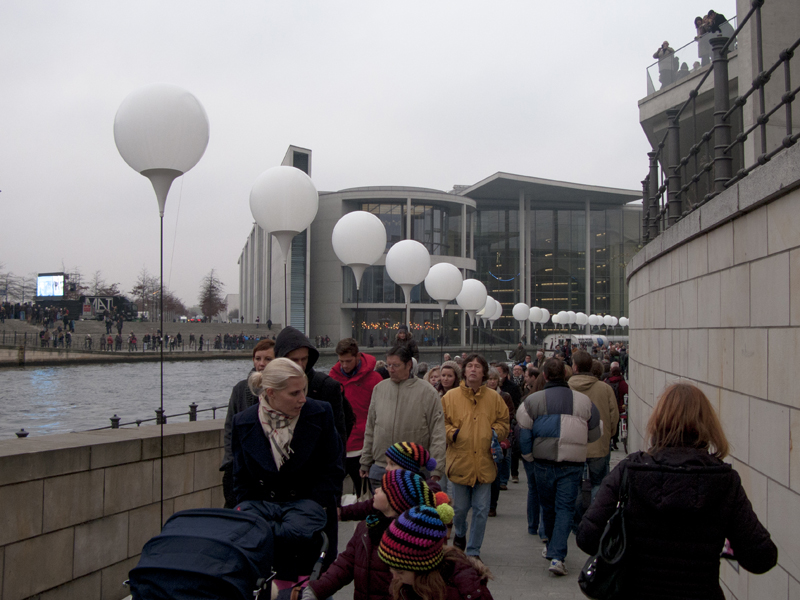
{"type": "Point", "coordinates": [666, 64]}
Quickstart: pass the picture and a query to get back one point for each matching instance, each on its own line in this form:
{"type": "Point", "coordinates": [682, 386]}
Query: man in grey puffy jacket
{"type": "Point", "coordinates": [556, 426]}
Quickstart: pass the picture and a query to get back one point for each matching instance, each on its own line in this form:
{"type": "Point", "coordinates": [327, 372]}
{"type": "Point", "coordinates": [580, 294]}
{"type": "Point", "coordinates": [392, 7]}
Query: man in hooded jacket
{"type": "Point", "coordinates": [295, 346]}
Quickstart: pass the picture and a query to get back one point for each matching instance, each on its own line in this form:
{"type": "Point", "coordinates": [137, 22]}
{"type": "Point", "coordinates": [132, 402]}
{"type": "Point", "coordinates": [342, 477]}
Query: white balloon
{"type": "Point", "coordinates": [593, 320]}
{"type": "Point", "coordinates": [607, 320]}
{"type": "Point", "coordinates": [284, 202]}
{"type": "Point", "coordinates": [545, 316]}
{"type": "Point", "coordinates": [614, 321]}
{"type": "Point", "coordinates": [521, 311]}
{"type": "Point", "coordinates": [563, 317]}
{"type": "Point", "coordinates": [359, 239]}
{"type": "Point", "coordinates": [556, 319]}
{"type": "Point", "coordinates": [472, 296]}
{"type": "Point", "coordinates": [581, 318]}
{"type": "Point", "coordinates": [623, 321]}
{"type": "Point", "coordinates": [535, 314]}
{"type": "Point", "coordinates": [407, 264]}
{"type": "Point", "coordinates": [443, 282]}
{"type": "Point", "coordinates": [572, 316]}
{"type": "Point", "coordinates": [497, 313]}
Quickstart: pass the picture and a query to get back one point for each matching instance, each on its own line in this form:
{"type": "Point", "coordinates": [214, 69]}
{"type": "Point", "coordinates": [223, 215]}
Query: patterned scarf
{"type": "Point", "coordinates": [279, 429]}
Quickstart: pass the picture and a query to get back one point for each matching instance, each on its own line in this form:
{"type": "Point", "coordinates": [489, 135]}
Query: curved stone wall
{"type": "Point", "coordinates": [716, 300]}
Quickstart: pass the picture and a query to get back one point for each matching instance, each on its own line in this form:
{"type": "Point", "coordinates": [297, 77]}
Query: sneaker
{"type": "Point", "coordinates": [515, 480]}
{"type": "Point", "coordinates": [492, 512]}
{"type": "Point", "coordinates": [460, 542]}
{"type": "Point", "coordinates": [544, 552]}
{"type": "Point", "coordinates": [557, 567]}
{"type": "Point", "coordinates": [503, 487]}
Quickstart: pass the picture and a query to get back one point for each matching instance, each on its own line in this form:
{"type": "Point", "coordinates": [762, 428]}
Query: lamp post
{"type": "Point", "coordinates": [407, 264]}
{"type": "Point", "coordinates": [359, 239]}
{"type": "Point", "coordinates": [472, 298]}
{"type": "Point", "coordinates": [443, 283]}
{"type": "Point", "coordinates": [284, 202]}
{"type": "Point", "coordinates": [161, 131]}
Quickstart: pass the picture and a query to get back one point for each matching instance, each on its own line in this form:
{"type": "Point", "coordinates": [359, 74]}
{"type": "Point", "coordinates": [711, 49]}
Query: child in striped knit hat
{"type": "Point", "coordinates": [360, 562]}
{"type": "Point", "coordinates": [423, 567]}
{"type": "Point", "coordinates": [401, 455]}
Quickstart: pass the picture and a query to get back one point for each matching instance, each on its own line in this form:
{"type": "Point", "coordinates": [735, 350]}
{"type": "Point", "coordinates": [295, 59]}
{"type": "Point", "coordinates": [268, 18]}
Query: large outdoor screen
{"type": "Point", "coordinates": [50, 284]}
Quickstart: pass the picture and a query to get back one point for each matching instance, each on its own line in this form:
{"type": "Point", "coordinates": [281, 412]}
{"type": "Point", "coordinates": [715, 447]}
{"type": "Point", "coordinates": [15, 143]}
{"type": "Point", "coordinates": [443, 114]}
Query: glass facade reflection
{"type": "Point", "coordinates": [438, 228]}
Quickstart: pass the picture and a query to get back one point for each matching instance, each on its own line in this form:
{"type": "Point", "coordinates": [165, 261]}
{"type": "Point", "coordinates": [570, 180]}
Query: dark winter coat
{"type": "Point", "coordinates": [241, 399]}
{"type": "Point", "coordinates": [314, 471]}
{"type": "Point", "coordinates": [359, 563]}
{"type": "Point", "coordinates": [320, 386]}
{"type": "Point", "coordinates": [683, 504]}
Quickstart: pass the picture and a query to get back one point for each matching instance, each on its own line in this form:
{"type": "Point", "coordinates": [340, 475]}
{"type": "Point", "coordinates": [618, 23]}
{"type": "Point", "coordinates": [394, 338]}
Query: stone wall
{"type": "Point", "coordinates": [716, 300]}
{"type": "Point", "coordinates": [77, 508]}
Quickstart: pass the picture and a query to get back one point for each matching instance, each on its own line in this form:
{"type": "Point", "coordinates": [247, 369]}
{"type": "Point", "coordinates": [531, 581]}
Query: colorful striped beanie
{"type": "Point", "coordinates": [405, 489]}
{"type": "Point", "coordinates": [411, 456]}
{"type": "Point", "coordinates": [414, 541]}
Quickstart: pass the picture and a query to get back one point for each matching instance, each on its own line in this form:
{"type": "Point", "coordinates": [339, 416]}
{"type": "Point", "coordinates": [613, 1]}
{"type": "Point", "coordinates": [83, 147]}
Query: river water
{"type": "Point", "coordinates": [47, 400]}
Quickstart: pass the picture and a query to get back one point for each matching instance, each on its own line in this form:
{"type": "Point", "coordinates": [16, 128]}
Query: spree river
{"type": "Point", "coordinates": [47, 400]}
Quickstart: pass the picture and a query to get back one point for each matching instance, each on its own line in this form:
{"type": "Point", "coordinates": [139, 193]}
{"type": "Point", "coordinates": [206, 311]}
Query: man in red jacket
{"type": "Point", "coordinates": [355, 371]}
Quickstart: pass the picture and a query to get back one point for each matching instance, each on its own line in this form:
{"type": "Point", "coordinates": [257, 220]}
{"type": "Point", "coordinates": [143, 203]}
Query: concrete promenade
{"type": "Point", "coordinates": [513, 555]}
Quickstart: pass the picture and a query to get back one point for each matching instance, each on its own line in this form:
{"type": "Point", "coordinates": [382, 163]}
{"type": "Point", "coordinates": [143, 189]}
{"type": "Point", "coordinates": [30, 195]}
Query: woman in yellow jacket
{"type": "Point", "coordinates": [471, 412]}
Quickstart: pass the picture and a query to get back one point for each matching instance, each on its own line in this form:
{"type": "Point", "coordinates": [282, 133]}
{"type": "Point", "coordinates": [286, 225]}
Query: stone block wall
{"type": "Point", "coordinates": [715, 300]}
{"type": "Point", "coordinates": [77, 508]}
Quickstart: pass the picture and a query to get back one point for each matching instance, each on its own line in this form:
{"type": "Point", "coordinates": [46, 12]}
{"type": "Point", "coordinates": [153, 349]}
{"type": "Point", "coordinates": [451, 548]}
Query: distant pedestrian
{"type": "Point", "coordinates": [269, 323]}
{"type": "Point", "coordinates": [258, 321]}
{"type": "Point", "coordinates": [200, 343]}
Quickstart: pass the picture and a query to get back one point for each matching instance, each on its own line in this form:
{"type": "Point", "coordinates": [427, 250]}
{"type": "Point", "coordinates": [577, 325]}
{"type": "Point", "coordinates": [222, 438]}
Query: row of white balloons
{"type": "Point", "coordinates": [522, 312]}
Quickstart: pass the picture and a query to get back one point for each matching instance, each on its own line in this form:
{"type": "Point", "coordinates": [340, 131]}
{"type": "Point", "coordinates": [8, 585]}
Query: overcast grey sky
{"type": "Point", "coordinates": [416, 93]}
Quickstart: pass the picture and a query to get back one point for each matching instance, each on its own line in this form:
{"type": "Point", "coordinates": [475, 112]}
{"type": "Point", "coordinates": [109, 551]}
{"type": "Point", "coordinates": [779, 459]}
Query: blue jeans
{"type": "Point", "coordinates": [558, 487]}
{"type": "Point", "coordinates": [535, 522]}
{"type": "Point", "coordinates": [504, 468]}
{"type": "Point", "coordinates": [477, 498]}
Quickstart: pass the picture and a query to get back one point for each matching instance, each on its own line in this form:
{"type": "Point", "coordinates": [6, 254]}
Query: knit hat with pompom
{"type": "Point", "coordinates": [411, 457]}
{"type": "Point", "coordinates": [414, 541]}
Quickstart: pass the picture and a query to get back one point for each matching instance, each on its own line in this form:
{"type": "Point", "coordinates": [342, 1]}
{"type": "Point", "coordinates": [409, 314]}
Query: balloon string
{"type": "Point", "coordinates": [175, 236]}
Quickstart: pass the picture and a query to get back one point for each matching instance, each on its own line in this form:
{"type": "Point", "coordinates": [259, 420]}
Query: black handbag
{"type": "Point", "coordinates": [602, 577]}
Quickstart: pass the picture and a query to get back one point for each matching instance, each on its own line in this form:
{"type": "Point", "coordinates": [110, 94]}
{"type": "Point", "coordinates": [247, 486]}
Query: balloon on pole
{"type": "Point", "coordinates": [407, 264]}
{"type": "Point", "coordinates": [443, 283]}
{"type": "Point", "coordinates": [472, 297]}
{"type": "Point", "coordinates": [359, 239]}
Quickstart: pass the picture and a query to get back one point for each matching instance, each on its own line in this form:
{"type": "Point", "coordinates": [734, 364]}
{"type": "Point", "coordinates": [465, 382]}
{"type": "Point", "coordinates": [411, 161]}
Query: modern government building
{"type": "Point", "coordinates": [552, 244]}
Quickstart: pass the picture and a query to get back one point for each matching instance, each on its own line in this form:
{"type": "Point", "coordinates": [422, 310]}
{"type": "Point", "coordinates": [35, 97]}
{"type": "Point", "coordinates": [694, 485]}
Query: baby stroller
{"type": "Point", "coordinates": [223, 553]}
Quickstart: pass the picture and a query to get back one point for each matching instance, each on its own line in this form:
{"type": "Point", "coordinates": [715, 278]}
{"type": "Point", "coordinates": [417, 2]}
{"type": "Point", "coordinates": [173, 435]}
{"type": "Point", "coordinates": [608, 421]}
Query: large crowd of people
{"type": "Point", "coordinates": [429, 450]}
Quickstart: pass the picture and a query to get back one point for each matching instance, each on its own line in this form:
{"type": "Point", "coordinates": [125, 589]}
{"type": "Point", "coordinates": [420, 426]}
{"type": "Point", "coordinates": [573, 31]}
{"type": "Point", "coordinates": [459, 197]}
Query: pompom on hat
{"type": "Point", "coordinates": [411, 457]}
{"type": "Point", "coordinates": [414, 541]}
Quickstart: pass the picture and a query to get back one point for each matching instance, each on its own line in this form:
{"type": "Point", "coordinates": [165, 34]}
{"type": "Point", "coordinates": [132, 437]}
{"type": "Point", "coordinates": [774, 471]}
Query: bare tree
{"type": "Point", "coordinates": [211, 299]}
{"type": "Point", "coordinates": [145, 292]}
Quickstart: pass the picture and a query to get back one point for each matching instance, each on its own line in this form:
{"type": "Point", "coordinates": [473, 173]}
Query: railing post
{"type": "Point", "coordinates": [652, 219]}
{"type": "Point", "coordinates": [115, 422]}
{"type": "Point", "coordinates": [193, 411]}
{"type": "Point", "coordinates": [645, 194]}
{"type": "Point", "coordinates": [723, 163]}
{"type": "Point", "coordinates": [675, 208]}
{"type": "Point", "coordinates": [161, 419]}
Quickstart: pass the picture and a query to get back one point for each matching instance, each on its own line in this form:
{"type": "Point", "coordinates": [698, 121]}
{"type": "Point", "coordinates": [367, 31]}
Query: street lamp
{"type": "Point", "coordinates": [161, 131]}
{"type": "Point", "coordinates": [284, 202]}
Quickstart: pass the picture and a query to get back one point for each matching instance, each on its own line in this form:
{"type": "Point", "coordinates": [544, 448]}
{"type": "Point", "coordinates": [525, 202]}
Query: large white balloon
{"type": "Point", "coordinates": [545, 316]}
{"type": "Point", "coordinates": [535, 314]}
{"type": "Point", "coordinates": [521, 311]}
{"type": "Point", "coordinates": [161, 131]}
{"type": "Point", "coordinates": [608, 320]}
{"type": "Point", "coordinates": [614, 321]}
{"type": "Point", "coordinates": [359, 239]}
{"type": "Point", "coordinates": [472, 297]}
{"type": "Point", "coordinates": [556, 319]}
{"type": "Point", "coordinates": [407, 264]}
{"type": "Point", "coordinates": [443, 283]}
{"type": "Point", "coordinates": [497, 313]}
{"type": "Point", "coordinates": [563, 317]}
{"type": "Point", "coordinates": [594, 320]}
{"type": "Point", "coordinates": [571, 316]}
{"type": "Point", "coordinates": [623, 321]}
{"type": "Point", "coordinates": [581, 318]}
{"type": "Point", "coordinates": [284, 202]}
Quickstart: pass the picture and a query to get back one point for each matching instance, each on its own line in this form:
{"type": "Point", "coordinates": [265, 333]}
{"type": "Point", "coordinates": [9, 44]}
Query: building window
{"type": "Point", "coordinates": [438, 228]}
{"type": "Point", "coordinates": [393, 217]}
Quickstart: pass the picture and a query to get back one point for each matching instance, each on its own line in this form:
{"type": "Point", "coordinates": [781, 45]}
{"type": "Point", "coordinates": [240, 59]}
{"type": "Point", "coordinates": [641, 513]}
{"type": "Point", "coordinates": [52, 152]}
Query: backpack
{"type": "Point", "coordinates": [615, 387]}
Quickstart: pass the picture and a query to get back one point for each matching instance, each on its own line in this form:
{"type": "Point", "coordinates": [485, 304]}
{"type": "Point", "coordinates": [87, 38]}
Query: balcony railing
{"type": "Point", "coordinates": [673, 180]}
{"type": "Point", "coordinates": [687, 59]}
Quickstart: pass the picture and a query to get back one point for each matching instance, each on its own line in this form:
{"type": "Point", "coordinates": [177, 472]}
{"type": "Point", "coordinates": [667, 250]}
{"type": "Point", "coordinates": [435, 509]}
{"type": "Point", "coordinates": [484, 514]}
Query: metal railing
{"type": "Point", "coordinates": [161, 418]}
{"type": "Point", "coordinates": [80, 343]}
{"type": "Point", "coordinates": [673, 180]}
